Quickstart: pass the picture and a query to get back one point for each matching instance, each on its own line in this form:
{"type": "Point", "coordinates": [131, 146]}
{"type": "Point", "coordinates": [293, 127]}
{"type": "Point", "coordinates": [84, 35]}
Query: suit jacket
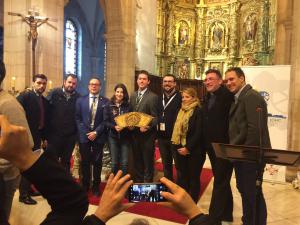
{"type": "Point", "coordinates": [148, 105]}
{"type": "Point", "coordinates": [83, 119]}
{"type": "Point", "coordinates": [215, 119]}
{"type": "Point", "coordinates": [30, 102]}
{"type": "Point", "coordinates": [244, 119]}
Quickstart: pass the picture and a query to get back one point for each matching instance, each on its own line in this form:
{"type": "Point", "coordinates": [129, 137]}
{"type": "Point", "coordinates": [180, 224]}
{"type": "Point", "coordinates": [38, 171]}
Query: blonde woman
{"type": "Point", "coordinates": [187, 140]}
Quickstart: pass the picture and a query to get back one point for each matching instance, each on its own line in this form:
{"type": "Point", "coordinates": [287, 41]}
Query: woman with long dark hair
{"type": "Point", "coordinates": [187, 140]}
{"type": "Point", "coordinates": [119, 137]}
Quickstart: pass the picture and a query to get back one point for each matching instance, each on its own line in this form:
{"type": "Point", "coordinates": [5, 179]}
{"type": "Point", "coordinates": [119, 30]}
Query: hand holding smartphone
{"type": "Point", "coordinates": [146, 192]}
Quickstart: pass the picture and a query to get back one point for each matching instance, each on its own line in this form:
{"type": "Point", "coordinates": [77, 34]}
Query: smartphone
{"type": "Point", "coordinates": [146, 192]}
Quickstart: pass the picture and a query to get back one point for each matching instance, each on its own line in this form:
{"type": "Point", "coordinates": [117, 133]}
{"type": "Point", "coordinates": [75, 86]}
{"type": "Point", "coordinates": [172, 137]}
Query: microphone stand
{"type": "Point", "coordinates": [260, 170]}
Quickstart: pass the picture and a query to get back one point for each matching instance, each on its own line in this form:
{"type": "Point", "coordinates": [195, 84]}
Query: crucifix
{"type": "Point", "coordinates": [34, 21]}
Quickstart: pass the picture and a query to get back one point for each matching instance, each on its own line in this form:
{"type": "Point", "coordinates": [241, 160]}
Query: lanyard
{"type": "Point", "coordinates": [165, 105]}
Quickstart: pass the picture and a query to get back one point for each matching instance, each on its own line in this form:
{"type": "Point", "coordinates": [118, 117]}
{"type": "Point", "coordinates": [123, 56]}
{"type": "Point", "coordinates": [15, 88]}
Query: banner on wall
{"type": "Point", "coordinates": [273, 83]}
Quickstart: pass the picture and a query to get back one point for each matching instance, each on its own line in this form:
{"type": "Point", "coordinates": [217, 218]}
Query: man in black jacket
{"type": "Point", "coordinates": [169, 105]}
{"type": "Point", "coordinates": [62, 130]}
{"type": "Point", "coordinates": [216, 110]}
{"type": "Point", "coordinates": [35, 107]}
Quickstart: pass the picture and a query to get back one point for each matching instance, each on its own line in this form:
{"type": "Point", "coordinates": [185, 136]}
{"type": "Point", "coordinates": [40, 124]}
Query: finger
{"type": "Point", "coordinates": [121, 182]}
{"type": "Point", "coordinates": [116, 178]}
{"type": "Point", "coordinates": [167, 195]}
{"type": "Point", "coordinates": [170, 185]}
{"type": "Point", "coordinates": [109, 180]}
{"type": "Point", "coordinates": [124, 188]}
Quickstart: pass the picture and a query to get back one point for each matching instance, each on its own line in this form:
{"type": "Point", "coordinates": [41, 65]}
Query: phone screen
{"type": "Point", "coordinates": [146, 192]}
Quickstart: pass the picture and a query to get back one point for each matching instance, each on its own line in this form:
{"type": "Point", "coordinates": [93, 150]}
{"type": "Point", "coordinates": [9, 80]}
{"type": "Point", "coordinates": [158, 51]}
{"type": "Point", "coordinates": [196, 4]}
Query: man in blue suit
{"type": "Point", "coordinates": [92, 133]}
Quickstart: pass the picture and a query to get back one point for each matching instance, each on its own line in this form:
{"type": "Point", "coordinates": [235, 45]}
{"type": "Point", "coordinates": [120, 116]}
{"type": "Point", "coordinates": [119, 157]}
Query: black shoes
{"type": "Point", "coordinates": [27, 200]}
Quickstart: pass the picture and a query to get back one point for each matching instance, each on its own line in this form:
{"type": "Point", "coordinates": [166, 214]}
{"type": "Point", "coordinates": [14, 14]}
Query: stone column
{"type": "Point", "coordinates": [120, 34]}
{"type": "Point", "coordinates": [233, 40]}
{"type": "Point", "coordinates": [17, 47]}
{"type": "Point", "coordinates": [294, 121]}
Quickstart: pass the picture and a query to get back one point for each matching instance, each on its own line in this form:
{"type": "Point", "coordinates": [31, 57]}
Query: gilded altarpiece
{"type": "Point", "coordinates": [194, 35]}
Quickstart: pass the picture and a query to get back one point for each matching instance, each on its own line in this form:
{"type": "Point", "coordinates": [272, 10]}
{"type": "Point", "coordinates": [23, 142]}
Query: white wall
{"type": "Point", "coordinates": [146, 35]}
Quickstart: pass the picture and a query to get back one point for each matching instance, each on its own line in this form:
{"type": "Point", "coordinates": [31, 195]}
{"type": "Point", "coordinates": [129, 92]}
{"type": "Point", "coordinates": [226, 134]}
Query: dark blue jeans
{"type": "Point", "coordinates": [119, 154]}
{"type": "Point", "coordinates": [245, 182]}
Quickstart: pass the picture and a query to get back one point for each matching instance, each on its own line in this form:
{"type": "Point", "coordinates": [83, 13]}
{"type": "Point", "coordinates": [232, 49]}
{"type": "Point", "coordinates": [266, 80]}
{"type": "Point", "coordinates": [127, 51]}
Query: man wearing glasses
{"type": "Point", "coordinates": [92, 133]}
{"type": "Point", "coordinates": [216, 110]}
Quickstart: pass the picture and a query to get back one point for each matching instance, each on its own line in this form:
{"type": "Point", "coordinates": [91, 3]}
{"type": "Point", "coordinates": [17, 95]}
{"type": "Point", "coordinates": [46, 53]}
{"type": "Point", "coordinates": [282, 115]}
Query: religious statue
{"type": "Point", "coordinates": [183, 35]}
{"type": "Point", "coordinates": [250, 26]}
{"type": "Point", "coordinates": [217, 36]}
{"type": "Point", "coordinates": [183, 71]}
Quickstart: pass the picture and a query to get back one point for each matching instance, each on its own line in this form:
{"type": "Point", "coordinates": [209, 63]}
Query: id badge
{"type": "Point", "coordinates": [162, 127]}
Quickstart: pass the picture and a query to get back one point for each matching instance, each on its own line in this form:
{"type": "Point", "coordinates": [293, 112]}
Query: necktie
{"type": "Point", "coordinates": [93, 111]}
{"type": "Point", "coordinates": [211, 101]}
{"type": "Point", "coordinates": [42, 113]}
{"type": "Point", "coordinates": [139, 98]}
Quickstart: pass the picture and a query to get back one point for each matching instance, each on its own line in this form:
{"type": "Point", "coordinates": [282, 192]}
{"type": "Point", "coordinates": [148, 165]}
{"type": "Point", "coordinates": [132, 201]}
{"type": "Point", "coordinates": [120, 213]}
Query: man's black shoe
{"type": "Point", "coordinates": [27, 200]}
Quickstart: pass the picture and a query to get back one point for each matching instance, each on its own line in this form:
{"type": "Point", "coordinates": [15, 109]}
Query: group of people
{"type": "Point", "coordinates": [185, 130]}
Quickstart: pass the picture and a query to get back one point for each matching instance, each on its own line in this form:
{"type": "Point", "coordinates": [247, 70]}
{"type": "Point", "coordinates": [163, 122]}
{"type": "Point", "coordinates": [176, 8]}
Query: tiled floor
{"type": "Point", "coordinates": [283, 204]}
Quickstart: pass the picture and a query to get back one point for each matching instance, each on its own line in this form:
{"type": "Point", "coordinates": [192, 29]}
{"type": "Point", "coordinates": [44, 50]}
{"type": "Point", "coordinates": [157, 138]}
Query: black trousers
{"type": "Point", "coordinates": [61, 147]}
{"type": "Point", "coordinates": [143, 156]}
{"type": "Point", "coordinates": [3, 217]}
{"type": "Point", "coordinates": [167, 155]}
{"type": "Point", "coordinates": [189, 170]}
{"type": "Point", "coordinates": [91, 154]}
{"type": "Point", "coordinates": [25, 185]}
{"type": "Point", "coordinates": [221, 204]}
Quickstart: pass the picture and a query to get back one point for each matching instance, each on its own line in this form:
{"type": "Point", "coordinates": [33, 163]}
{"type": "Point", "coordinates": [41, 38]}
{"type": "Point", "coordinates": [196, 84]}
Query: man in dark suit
{"type": "Point", "coordinates": [35, 106]}
{"type": "Point", "coordinates": [215, 111]}
{"type": "Point", "coordinates": [92, 133]}
{"type": "Point", "coordinates": [62, 129]}
{"type": "Point", "coordinates": [144, 101]}
{"type": "Point", "coordinates": [244, 123]}
{"type": "Point", "coordinates": [168, 106]}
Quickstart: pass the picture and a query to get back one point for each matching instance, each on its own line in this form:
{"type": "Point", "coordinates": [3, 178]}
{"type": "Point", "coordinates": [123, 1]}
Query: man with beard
{"type": "Point", "coordinates": [169, 104]}
{"type": "Point", "coordinates": [62, 130]}
{"type": "Point", "coordinates": [35, 106]}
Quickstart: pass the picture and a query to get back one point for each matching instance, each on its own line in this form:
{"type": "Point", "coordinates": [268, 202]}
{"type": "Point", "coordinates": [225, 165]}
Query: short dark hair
{"type": "Point", "coordinates": [144, 72]}
{"type": "Point", "coordinates": [170, 75]}
{"type": "Point", "coordinates": [40, 75]}
{"type": "Point", "coordinates": [96, 78]}
{"type": "Point", "coordinates": [239, 72]}
{"type": "Point", "coordinates": [217, 72]}
{"type": "Point", "coordinates": [70, 75]}
{"type": "Point", "coordinates": [125, 93]}
{"type": "Point", "coordinates": [2, 71]}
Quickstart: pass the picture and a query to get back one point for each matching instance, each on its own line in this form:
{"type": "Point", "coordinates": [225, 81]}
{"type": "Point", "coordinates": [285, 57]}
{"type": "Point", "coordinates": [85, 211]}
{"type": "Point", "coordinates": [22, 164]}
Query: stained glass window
{"type": "Point", "coordinates": [71, 48]}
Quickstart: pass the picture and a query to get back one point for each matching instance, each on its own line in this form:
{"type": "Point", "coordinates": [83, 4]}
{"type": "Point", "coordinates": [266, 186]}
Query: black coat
{"type": "Point", "coordinates": [31, 104]}
{"type": "Point", "coordinates": [61, 113]}
{"type": "Point", "coordinates": [215, 119]}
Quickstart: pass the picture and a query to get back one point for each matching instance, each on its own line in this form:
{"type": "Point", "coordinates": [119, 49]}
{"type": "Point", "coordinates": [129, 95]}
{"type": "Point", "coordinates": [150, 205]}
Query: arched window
{"type": "Point", "coordinates": [71, 48]}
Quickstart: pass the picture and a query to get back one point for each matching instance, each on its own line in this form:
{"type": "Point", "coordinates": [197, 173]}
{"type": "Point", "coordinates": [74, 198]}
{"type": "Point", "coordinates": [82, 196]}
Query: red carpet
{"type": "Point", "coordinates": [154, 210]}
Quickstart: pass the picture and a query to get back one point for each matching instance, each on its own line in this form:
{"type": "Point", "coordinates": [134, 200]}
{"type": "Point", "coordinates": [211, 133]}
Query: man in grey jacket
{"type": "Point", "coordinates": [11, 108]}
{"type": "Point", "coordinates": [244, 123]}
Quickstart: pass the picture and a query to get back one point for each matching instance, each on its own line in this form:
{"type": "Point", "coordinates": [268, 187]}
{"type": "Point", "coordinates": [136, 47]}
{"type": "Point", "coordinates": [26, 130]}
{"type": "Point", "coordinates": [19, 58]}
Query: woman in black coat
{"type": "Point", "coordinates": [187, 140]}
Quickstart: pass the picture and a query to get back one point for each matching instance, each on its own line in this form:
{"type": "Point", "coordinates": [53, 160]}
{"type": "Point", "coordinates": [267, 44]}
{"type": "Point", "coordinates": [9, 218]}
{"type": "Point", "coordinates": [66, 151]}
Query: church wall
{"type": "Point", "coordinates": [146, 35]}
{"type": "Point", "coordinates": [88, 17]}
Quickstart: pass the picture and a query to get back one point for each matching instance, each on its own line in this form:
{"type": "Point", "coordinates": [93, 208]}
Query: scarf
{"type": "Point", "coordinates": [182, 122]}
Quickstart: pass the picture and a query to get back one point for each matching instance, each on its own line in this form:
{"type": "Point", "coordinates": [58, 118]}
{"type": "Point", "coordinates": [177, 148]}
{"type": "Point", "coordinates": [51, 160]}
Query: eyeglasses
{"type": "Point", "coordinates": [93, 84]}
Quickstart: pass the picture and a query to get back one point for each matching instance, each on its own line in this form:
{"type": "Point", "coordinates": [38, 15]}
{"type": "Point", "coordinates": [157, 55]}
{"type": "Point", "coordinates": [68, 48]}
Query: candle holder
{"type": "Point", "coordinates": [13, 91]}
